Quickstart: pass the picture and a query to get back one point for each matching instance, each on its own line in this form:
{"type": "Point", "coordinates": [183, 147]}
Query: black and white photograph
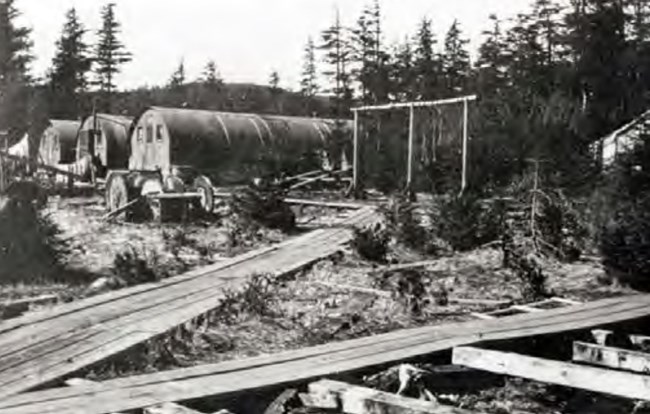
{"type": "Point", "coordinates": [324, 207]}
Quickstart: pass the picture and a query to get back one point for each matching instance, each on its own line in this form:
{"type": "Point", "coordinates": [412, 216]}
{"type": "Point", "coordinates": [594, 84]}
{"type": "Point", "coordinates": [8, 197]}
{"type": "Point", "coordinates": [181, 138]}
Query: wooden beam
{"type": "Point", "coordinates": [622, 384]}
{"type": "Point", "coordinates": [526, 308]}
{"type": "Point", "coordinates": [611, 357]}
{"type": "Point", "coordinates": [411, 149]}
{"type": "Point", "coordinates": [11, 309]}
{"type": "Point", "coordinates": [232, 378]}
{"type": "Point", "coordinates": [463, 184]}
{"type": "Point", "coordinates": [355, 154]}
{"type": "Point", "coordinates": [420, 104]}
{"type": "Point", "coordinates": [308, 181]}
{"type": "Point", "coordinates": [164, 408]}
{"type": "Point", "coordinates": [352, 399]}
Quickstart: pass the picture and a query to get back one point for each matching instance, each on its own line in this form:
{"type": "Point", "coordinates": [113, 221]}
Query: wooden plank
{"type": "Point", "coordinates": [417, 104]}
{"type": "Point", "coordinates": [526, 308]}
{"type": "Point", "coordinates": [80, 382]}
{"type": "Point", "coordinates": [11, 309]}
{"type": "Point", "coordinates": [40, 349]}
{"type": "Point", "coordinates": [233, 377]}
{"type": "Point", "coordinates": [611, 357]}
{"type": "Point", "coordinates": [606, 381]}
{"type": "Point", "coordinates": [354, 399]}
{"type": "Point", "coordinates": [278, 406]}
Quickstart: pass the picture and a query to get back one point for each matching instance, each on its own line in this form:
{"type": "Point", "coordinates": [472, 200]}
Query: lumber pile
{"type": "Point", "coordinates": [43, 346]}
{"type": "Point", "coordinates": [261, 372]}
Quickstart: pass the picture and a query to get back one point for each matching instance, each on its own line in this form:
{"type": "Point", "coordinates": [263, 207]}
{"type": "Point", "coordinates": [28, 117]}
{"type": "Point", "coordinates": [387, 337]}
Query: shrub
{"type": "Point", "coordinates": [135, 266]}
{"type": "Point", "coordinates": [256, 298]}
{"type": "Point", "coordinates": [264, 206]}
{"type": "Point", "coordinates": [371, 243]}
{"type": "Point", "coordinates": [30, 245]}
{"type": "Point", "coordinates": [625, 245]}
{"type": "Point", "coordinates": [520, 255]}
{"type": "Point", "coordinates": [404, 225]}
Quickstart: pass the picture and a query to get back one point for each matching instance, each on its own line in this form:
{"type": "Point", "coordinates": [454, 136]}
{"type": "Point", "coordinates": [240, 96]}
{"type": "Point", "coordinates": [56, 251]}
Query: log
{"type": "Point", "coordinates": [308, 181]}
{"type": "Point", "coordinates": [606, 381]}
{"type": "Point", "coordinates": [120, 210]}
{"type": "Point", "coordinates": [611, 357]}
{"type": "Point", "coordinates": [11, 309]}
{"type": "Point", "coordinates": [352, 399]}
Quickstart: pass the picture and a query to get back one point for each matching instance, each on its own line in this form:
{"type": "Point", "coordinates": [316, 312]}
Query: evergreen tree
{"type": "Point", "coordinates": [337, 57]}
{"type": "Point", "coordinates": [426, 62]}
{"type": "Point", "coordinates": [371, 61]}
{"type": "Point", "coordinates": [403, 75]}
{"type": "Point", "coordinates": [309, 80]}
{"type": "Point", "coordinates": [492, 61]}
{"type": "Point", "coordinates": [455, 61]}
{"type": "Point", "coordinates": [68, 76]}
{"type": "Point", "coordinates": [15, 56]}
{"type": "Point", "coordinates": [177, 78]}
{"type": "Point", "coordinates": [274, 81]}
{"type": "Point", "coordinates": [110, 55]}
{"type": "Point", "coordinates": [211, 75]}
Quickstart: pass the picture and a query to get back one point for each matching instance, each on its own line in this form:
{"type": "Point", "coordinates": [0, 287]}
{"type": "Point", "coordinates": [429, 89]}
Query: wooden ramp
{"type": "Point", "coordinates": [233, 377]}
{"type": "Point", "coordinates": [40, 347]}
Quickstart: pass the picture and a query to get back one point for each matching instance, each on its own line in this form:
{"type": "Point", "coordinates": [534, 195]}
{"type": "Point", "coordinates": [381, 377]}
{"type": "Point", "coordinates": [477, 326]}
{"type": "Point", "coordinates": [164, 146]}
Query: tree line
{"type": "Point", "coordinates": [551, 81]}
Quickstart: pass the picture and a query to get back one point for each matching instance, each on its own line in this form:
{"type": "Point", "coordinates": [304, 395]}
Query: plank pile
{"type": "Point", "coordinates": [43, 346]}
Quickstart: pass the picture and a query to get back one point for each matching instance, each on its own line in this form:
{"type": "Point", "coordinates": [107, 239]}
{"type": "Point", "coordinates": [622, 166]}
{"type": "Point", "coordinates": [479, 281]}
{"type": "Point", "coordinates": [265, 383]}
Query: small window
{"type": "Point", "coordinates": [159, 133]}
{"type": "Point", "coordinates": [149, 133]}
{"type": "Point", "coordinates": [139, 134]}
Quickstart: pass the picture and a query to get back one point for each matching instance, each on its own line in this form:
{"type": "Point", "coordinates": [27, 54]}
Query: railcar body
{"type": "Point", "coordinates": [58, 142]}
{"type": "Point", "coordinates": [105, 139]}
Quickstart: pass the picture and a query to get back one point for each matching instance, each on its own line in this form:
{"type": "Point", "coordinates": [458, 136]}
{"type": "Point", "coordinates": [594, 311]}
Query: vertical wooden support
{"type": "Point", "coordinates": [463, 184]}
{"type": "Point", "coordinates": [409, 172]}
{"type": "Point", "coordinates": [355, 155]}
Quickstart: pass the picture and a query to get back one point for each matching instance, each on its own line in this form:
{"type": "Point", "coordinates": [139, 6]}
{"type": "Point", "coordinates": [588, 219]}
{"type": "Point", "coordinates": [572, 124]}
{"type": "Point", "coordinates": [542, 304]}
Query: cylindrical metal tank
{"type": "Point", "coordinates": [58, 142]}
{"type": "Point", "coordinates": [230, 147]}
{"type": "Point", "coordinates": [106, 138]}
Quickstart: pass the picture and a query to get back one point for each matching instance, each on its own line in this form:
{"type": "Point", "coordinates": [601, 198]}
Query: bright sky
{"type": "Point", "coordinates": [247, 38]}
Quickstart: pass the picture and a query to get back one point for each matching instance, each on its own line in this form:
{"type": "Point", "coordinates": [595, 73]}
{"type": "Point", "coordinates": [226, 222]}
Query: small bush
{"type": "Point", "coordinates": [521, 256]}
{"type": "Point", "coordinates": [371, 243]}
{"type": "Point", "coordinates": [625, 245]}
{"type": "Point", "coordinates": [404, 225]}
{"type": "Point", "coordinates": [30, 245]}
{"type": "Point", "coordinates": [257, 298]}
{"type": "Point", "coordinates": [264, 206]}
{"type": "Point", "coordinates": [135, 266]}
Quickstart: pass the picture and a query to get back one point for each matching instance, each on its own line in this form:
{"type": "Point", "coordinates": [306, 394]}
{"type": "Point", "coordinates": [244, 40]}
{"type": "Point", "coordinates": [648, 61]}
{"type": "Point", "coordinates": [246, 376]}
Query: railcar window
{"type": "Point", "coordinates": [159, 134]}
{"type": "Point", "coordinates": [139, 134]}
{"type": "Point", "coordinates": [149, 133]}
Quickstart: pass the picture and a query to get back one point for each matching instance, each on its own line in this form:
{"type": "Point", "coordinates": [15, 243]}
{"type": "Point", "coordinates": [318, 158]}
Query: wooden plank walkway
{"type": "Point", "coordinates": [43, 346]}
{"type": "Point", "coordinates": [234, 377]}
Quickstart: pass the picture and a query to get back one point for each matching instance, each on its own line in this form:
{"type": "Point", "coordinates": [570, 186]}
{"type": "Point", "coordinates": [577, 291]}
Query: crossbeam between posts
{"type": "Point", "coordinates": [411, 107]}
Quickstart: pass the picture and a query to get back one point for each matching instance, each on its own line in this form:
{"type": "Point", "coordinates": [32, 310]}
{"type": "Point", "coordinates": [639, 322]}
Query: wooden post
{"type": "Point", "coordinates": [355, 155]}
{"type": "Point", "coordinates": [463, 184]}
{"type": "Point", "coordinates": [409, 172]}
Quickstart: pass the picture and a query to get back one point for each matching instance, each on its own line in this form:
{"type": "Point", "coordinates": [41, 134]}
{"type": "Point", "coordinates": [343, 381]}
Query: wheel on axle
{"type": "Point", "coordinates": [203, 186]}
{"type": "Point", "coordinates": [117, 195]}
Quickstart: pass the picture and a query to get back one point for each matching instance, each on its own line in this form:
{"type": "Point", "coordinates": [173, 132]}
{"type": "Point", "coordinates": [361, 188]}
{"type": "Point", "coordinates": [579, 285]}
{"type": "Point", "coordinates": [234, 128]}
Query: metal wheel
{"type": "Point", "coordinates": [117, 193]}
{"type": "Point", "coordinates": [203, 186]}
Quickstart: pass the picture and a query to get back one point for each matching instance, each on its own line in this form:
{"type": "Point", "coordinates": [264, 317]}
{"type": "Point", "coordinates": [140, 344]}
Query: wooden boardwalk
{"type": "Point", "coordinates": [233, 377]}
{"type": "Point", "coordinates": [43, 346]}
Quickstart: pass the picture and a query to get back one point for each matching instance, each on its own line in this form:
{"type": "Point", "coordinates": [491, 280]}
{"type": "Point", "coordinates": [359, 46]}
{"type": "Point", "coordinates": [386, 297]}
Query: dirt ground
{"type": "Point", "coordinates": [336, 299]}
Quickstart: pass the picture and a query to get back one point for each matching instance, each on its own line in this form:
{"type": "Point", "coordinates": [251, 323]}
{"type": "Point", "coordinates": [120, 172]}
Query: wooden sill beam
{"type": "Point", "coordinates": [622, 384]}
{"type": "Point", "coordinates": [611, 357]}
{"type": "Point", "coordinates": [352, 399]}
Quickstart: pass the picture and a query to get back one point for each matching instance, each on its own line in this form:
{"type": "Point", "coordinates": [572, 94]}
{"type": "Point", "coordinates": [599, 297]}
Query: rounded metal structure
{"type": "Point", "coordinates": [105, 138]}
{"type": "Point", "coordinates": [58, 142]}
{"type": "Point", "coordinates": [230, 147]}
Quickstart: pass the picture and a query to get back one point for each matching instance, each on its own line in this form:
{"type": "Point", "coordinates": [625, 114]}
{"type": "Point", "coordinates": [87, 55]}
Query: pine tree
{"type": "Point", "coordinates": [426, 62]}
{"type": "Point", "coordinates": [403, 75]}
{"type": "Point", "coordinates": [110, 55]}
{"type": "Point", "coordinates": [274, 81]}
{"type": "Point", "coordinates": [68, 77]}
{"type": "Point", "coordinates": [211, 75]}
{"type": "Point", "coordinates": [492, 61]}
{"type": "Point", "coordinates": [455, 61]}
{"type": "Point", "coordinates": [177, 78]}
{"type": "Point", "coordinates": [371, 61]}
{"type": "Point", "coordinates": [337, 57]}
{"type": "Point", "coordinates": [15, 56]}
{"type": "Point", "coordinates": [309, 80]}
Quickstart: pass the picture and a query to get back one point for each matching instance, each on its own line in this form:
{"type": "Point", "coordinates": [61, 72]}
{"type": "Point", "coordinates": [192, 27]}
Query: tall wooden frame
{"type": "Point", "coordinates": [356, 178]}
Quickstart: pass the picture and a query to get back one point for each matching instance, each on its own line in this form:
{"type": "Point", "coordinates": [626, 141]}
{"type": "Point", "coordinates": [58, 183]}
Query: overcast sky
{"type": "Point", "coordinates": [247, 38]}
